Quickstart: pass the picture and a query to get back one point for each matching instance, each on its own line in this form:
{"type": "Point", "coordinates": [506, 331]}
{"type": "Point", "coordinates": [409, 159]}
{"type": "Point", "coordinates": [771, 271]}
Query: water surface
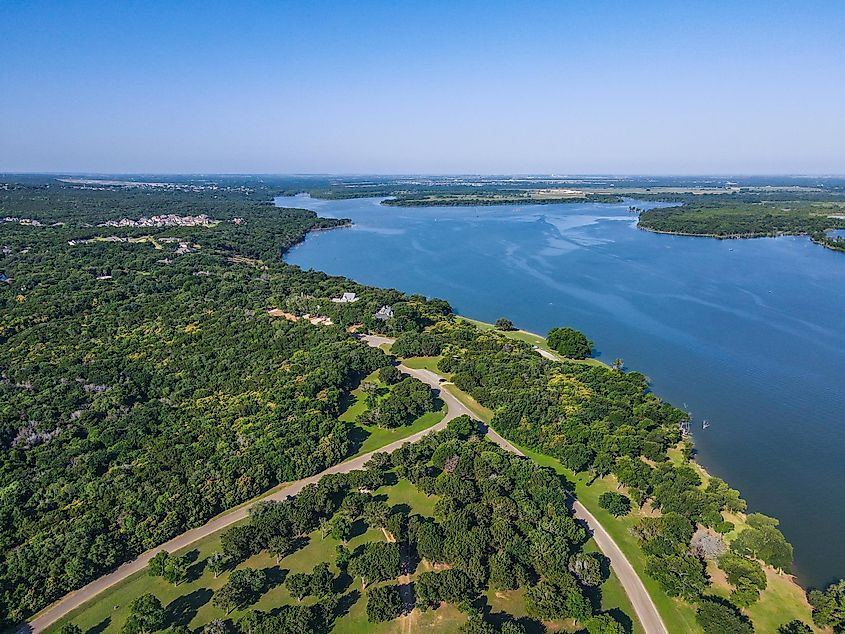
{"type": "Point", "coordinates": [749, 334]}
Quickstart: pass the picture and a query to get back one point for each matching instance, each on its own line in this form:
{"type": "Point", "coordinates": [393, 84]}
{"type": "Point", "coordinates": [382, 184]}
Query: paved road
{"type": "Point", "coordinates": [640, 600]}
{"type": "Point", "coordinates": [74, 599]}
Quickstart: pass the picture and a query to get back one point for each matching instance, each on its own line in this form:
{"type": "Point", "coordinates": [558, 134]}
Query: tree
{"type": "Point", "coordinates": [226, 598]}
{"type": "Point", "coordinates": [322, 580]}
{"type": "Point", "coordinates": [829, 606]}
{"type": "Point", "coordinates": [342, 557]}
{"type": "Point", "coordinates": [384, 603]}
{"type": "Point", "coordinates": [376, 514]}
{"type": "Point", "coordinates": [618, 364]}
{"type": "Point", "coordinates": [589, 568]}
{"type": "Point", "coordinates": [763, 541]}
{"type": "Point", "coordinates": [430, 542]}
{"type": "Point", "coordinates": [503, 323]}
{"type": "Point", "coordinates": [615, 503]}
{"type": "Point", "coordinates": [280, 547]}
{"type": "Point", "coordinates": [503, 571]}
{"type": "Point", "coordinates": [240, 589]}
{"type": "Point", "coordinates": [239, 542]}
{"type": "Point", "coordinates": [341, 528]}
{"type": "Point", "coordinates": [679, 575]}
{"type": "Point", "coordinates": [376, 561]}
{"type": "Point", "coordinates": [217, 626]}
{"type": "Point", "coordinates": [176, 569]}
{"type": "Point", "coordinates": [795, 627]}
{"type": "Point", "coordinates": [451, 585]}
{"type": "Point", "coordinates": [604, 624]}
{"type": "Point", "coordinates": [569, 342]}
{"type": "Point", "coordinates": [546, 602]}
{"type": "Point", "coordinates": [216, 563]}
{"type": "Point", "coordinates": [717, 617]}
{"type": "Point", "coordinates": [146, 615]}
{"type": "Point", "coordinates": [70, 628]}
{"type": "Point", "coordinates": [746, 575]}
{"type": "Point", "coordinates": [158, 563]}
{"type": "Point", "coordinates": [298, 584]}
{"type": "Point", "coordinates": [389, 375]}
{"type": "Point", "coordinates": [476, 624]}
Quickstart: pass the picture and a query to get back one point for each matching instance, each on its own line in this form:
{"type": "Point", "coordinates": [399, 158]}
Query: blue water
{"type": "Point", "coordinates": [749, 334]}
{"type": "Point", "coordinates": [836, 233]}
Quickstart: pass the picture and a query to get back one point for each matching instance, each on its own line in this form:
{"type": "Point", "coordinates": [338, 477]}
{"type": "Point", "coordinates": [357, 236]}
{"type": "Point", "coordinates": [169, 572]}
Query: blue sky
{"type": "Point", "coordinates": [439, 87]}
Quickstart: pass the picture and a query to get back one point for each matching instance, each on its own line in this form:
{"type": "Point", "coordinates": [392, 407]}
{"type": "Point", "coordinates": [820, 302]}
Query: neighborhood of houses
{"type": "Point", "coordinates": [23, 221]}
{"type": "Point", "coordinates": [165, 220]}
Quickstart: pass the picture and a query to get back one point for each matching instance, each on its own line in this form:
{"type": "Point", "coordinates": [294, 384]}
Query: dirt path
{"type": "Point", "coordinates": [640, 600]}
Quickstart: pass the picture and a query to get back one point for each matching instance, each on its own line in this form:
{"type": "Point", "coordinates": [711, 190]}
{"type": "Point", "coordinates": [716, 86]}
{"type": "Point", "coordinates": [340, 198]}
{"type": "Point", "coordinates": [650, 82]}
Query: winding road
{"type": "Point", "coordinates": [637, 594]}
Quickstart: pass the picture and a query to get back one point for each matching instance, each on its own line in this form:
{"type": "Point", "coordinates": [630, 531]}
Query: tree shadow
{"type": "Point", "coordinates": [341, 582]}
{"type": "Point", "coordinates": [439, 403]}
{"type": "Point", "coordinates": [182, 609]}
{"type": "Point", "coordinates": [100, 627]}
{"type": "Point", "coordinates": [359, 527]}
{"type": "Point", "coordinates": [390, 479]}
{"type": "Point", "coordinates": [196, 568]}
{"type": "Point", "coordinates": [402, 508]}
{"type": "Point", "coordinates": [344, 605]}
{"type": "Point", "coordinates": [409, 597]}
{"type": "Point", "coordinates": [624, 620]}
{"type": "Point", "coordinates": [357, 435]}
{"type": "Point", "coordinates": [275, 576]}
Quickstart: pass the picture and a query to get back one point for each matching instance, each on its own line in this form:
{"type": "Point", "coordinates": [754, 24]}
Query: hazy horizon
{"type": "Point", "coordinates": [326, 88]}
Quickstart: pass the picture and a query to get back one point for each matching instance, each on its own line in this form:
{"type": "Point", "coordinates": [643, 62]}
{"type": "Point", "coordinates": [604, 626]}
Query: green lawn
{"type": "Point", "coordinates": [372, 437]}
{"type": "Point", "coordinates": [425, 363]}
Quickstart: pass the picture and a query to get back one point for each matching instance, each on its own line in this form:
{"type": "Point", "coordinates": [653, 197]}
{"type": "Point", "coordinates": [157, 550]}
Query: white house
{"type": "Point", "coordinates": [346, 298]}
{"type": "Point", "coordinates": [384, 313]}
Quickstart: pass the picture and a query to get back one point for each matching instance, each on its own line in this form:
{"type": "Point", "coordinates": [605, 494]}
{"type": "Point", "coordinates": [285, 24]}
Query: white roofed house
{"type": "Point", "coordinates": [384, 313]}
{"type": "Point", "coordinates": [346, 298]}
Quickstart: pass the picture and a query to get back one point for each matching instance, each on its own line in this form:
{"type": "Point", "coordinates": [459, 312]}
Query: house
{"type": "Point", "coordinates": [346, 298]}
{"type": "Point", "coordinates": [384, 313]}
{"type": "Point", "coordinates": [3, 277]}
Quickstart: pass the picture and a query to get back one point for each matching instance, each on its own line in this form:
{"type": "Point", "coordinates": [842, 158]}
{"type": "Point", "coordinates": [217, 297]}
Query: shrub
{"type": "Point", "coordinates": [615, 503]}
{"type": "Point", "coordinates": [570, 343]}
{"type": "Point", "coordinates": [383, 604]}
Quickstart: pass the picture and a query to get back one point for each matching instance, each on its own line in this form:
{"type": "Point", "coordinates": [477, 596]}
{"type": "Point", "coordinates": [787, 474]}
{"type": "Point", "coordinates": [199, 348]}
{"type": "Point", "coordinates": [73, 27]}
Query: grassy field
{"type": "Point", "coordinates": [372, 437]}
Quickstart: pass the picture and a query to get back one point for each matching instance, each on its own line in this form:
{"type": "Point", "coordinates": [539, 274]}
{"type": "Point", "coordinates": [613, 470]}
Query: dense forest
{"type": "Point", "coordinates": [143, 385]}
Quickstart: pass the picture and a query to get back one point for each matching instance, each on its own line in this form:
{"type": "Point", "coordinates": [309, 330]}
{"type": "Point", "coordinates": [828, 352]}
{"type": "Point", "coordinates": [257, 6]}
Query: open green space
{"type": "Point", "coordinates": [369, 438]}
{"type": "Point", "coordinates": [530, 338]}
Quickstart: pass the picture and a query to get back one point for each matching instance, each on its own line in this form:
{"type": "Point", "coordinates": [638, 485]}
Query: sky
{"type": "Point", "coordinates": [565, 87]}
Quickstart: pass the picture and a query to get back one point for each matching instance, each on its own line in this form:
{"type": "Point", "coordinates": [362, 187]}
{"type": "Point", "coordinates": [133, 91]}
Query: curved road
{"type": "Point", "coordinates": [637, 594]}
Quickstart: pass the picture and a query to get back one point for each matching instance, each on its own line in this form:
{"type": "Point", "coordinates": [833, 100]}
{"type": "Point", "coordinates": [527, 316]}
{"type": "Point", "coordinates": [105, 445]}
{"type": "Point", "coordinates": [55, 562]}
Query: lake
{"type": "Point", "coordinates": [747, 334]}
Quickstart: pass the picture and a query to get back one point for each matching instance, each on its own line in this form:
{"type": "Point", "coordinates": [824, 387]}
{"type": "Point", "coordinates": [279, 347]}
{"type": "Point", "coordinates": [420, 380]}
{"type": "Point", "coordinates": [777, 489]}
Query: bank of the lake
{"type": "Point", "coordinates": [746, 333]}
